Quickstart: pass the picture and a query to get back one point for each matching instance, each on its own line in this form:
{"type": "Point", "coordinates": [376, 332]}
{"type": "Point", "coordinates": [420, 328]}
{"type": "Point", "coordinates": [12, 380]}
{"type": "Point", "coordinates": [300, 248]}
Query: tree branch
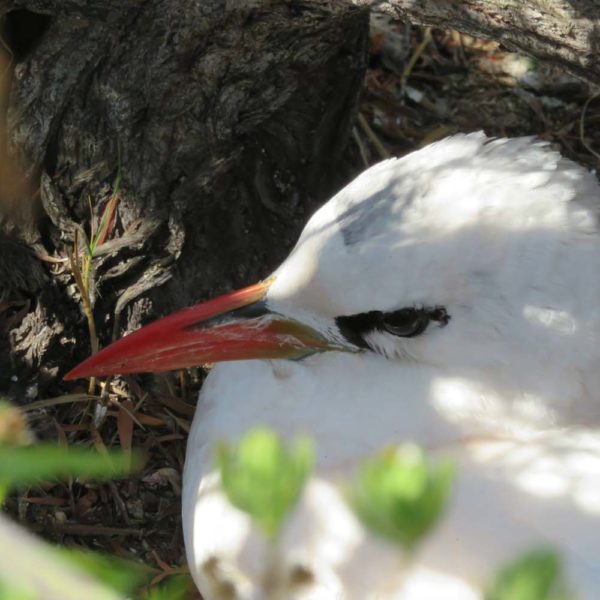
{"type": "Point", "coordinates": [562, 32]}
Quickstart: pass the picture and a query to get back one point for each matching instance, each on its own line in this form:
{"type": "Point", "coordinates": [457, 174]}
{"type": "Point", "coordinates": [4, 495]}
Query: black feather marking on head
{"type": "Point", "coordinates": [406, 322]}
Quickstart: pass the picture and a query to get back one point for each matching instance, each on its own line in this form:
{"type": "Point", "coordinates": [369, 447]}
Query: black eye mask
{"type": "Point", "coordinates": [405, 322]}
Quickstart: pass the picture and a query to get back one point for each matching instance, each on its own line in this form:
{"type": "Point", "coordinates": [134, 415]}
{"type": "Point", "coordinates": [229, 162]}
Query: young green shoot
{"type": "Point", "coordinates": [264, 477]}
{"type": "Point", "coordinates": [536, 575]}
{"type": "Point", "coordinates": [401, 494]}
{"type": "Point", "coordinates": [81, 262]}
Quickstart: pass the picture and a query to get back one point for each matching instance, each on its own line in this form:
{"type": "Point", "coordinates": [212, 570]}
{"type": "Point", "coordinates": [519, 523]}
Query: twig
{"type": "Point", "coordinates": [183, 384]}
{"type": "Point", "coordinates": [582, 126]}
{"type": "Point", "coordinates": [81, 529]}
{"type": "Point", "coordinates": [383, 153]}
{"type": "Point", "coordinates": [122, 508]}
{"type": "Point", "coordinates": [415, 57]}
{"type": "Point", "coordinates": [66, 399]}
{"type": "Point", "coordinates": [51, 259]}
{"type": "Point", "coordinates": [130, 414]}
{"type": "Point", "coordinates": [361, 146]}
{"type": "Point", "coordinates": [176, 404]}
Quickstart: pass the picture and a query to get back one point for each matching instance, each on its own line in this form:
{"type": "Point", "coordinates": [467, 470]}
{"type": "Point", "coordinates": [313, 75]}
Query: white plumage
{"type": "Point", "coordinates": [504, 234]}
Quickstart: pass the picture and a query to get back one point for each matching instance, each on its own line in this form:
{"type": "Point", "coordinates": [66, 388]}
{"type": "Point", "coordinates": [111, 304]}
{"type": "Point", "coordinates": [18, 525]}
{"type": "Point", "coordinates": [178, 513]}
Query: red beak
{"type": "Point", "coordinates": [235, 326]}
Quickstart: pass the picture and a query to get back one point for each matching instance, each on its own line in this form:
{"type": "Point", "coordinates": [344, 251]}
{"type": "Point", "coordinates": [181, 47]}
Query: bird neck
{"type": "Point", "coordinates": [354, 405]}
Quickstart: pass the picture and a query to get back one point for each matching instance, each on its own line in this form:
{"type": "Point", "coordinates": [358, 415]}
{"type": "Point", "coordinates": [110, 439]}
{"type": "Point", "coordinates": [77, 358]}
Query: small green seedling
{"type": "Point", "coordinates": [264, 477]}
{"type": "Point", "coordinates": [400, 494]}
{"type": "Point", "coordinates": [535, 576]}
{"type": "Point", "coordinates": [81, 261]}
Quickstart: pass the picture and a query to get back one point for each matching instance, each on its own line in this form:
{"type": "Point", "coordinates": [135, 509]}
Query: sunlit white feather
{"type": "Point", "coordinates": [504, 235]}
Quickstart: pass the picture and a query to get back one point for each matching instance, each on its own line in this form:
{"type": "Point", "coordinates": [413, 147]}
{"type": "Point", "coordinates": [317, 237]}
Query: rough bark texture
{"type": "Point", "coordinates": [228, 120]}
{"type": "Point", "coordinates": [562, 32]}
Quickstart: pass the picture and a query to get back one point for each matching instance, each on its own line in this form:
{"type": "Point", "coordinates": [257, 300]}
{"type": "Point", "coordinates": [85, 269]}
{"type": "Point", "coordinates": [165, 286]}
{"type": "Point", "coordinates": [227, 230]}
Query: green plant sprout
{"type": "Point", "coordinates": [264, 477]}
{"type": "Point", "coordinates": [42, 462]}
{"type": "Point", "coordinates": [81, 263]}
{"type": "Point", "coordinates": [400, 494]}
{"type": "Point", "coordinates": [536, 575]}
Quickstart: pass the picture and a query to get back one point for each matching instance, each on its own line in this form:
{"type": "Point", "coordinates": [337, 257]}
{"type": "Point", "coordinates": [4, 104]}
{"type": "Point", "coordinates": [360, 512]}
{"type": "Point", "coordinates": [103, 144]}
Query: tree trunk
{"type": "Point", "coordinates": [565, 33]}
{"type": "Point", "coordinates": [215, 126]}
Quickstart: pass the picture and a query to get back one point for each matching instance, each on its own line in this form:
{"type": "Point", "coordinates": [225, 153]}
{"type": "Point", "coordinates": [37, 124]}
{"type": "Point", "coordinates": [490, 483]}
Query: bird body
{"type": "Point", "coordinates": [520, 485]}
{"type": "Point", "coordinates": [448, 298]}
{"type": "Point", "coordinates": [504, 234]}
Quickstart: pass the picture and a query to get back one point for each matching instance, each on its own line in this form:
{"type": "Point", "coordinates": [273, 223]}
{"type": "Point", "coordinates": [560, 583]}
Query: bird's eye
{"type": "Point", "coordinates": [405, 322]}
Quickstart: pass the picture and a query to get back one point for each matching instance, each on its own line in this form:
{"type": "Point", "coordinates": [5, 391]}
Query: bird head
{"type": "Point", "coordinates": [465, 254]}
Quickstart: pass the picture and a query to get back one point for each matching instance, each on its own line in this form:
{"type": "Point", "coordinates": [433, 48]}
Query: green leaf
{"type": "Point", "coordinates": [10, 592]}
{"type": "Point", "coordinates": [263, 477]}
{"type": "Point", "coordinates": [32, 464]}
{"type": "Point", "coordinates": [176, 588]}
{"type": "Point", "coordinates": [535, 576]}
{"type": "Point", "coordinates": [400, 494]}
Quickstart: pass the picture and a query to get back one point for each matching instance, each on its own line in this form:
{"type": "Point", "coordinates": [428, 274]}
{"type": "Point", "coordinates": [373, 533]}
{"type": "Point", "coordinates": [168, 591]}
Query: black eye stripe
{"type": "Point", "coordinates": [405, 322]}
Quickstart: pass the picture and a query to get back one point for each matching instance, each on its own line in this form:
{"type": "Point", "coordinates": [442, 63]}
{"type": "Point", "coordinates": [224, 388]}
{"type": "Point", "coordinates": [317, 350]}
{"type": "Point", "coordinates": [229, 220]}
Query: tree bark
{"type": "Point", "coordinates": [565, 33]}
{"type": "Point", "coordinates": [223, 121]}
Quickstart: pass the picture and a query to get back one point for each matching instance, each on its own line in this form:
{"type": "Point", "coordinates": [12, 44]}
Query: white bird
{"type": "Point", "coordinates": [448, 298]}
